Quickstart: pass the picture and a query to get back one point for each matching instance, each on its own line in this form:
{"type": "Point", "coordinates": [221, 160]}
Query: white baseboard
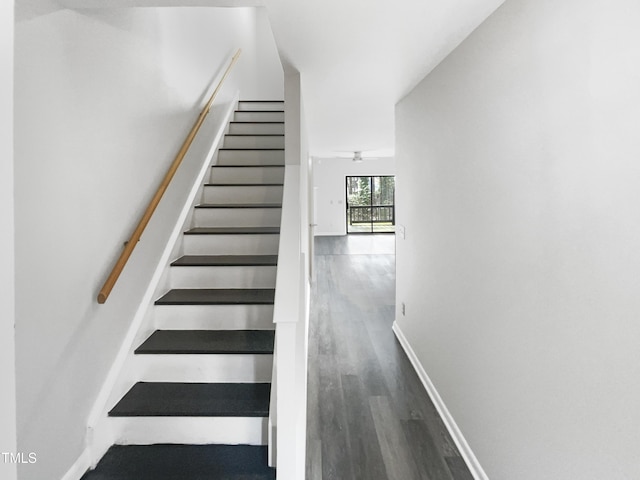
{"type": "Point", "coordinates": [464, 448]}
{"type": "Point", "coordinates": [79, 468]}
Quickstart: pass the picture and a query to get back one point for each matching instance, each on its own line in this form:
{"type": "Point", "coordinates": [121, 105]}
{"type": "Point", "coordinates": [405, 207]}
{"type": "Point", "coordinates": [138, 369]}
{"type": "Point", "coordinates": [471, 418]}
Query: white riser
{"type": "Point", "coordinates": [254, 141]}
{"type": "Point", "coordinates": [250, 157]}
{"type": "Point", "coordinates": [240, 116]}
{"type": "Point", "coordinates": [257, 128]}
{"type": "Point", "coordinates": [190, 430]}
{"type": "Point", "coordinates": [249, 368]}
{"type": "Point", "coordinates": [247, 174]}
{"type": "Point", "coordinates": [252, 244]}
{"type": "Point", "coordinates": [267, 105]}
{"type": "Point", "coordinates": [242, 194]}
{"type": "Point", "coordinates": [213, 317]}
{"type": "Point", "coordinates": [237, 217]}
{"type": "Point", "coordinates": [260, 276]}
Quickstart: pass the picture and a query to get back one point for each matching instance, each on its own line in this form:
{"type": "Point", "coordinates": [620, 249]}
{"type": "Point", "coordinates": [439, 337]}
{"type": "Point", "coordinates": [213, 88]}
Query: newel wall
{"type": "Point", "coordinates": [519, 270]}
{"type": "Point", "coordinates": [103, 100]}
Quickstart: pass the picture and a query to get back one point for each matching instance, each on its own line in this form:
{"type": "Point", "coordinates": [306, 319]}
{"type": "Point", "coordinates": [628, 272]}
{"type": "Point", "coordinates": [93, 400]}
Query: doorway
{"type": "Point", "coordinates": [370, 204]}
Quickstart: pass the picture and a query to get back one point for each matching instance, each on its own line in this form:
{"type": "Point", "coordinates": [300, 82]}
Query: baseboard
{"type": "Point", "coordinates": [80, 466]}
{"type": "Point", "coordinates": [464, 448]}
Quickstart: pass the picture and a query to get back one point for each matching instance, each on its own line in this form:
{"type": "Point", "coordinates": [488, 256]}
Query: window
{"type": "Point", "coordinates": [370, 204]}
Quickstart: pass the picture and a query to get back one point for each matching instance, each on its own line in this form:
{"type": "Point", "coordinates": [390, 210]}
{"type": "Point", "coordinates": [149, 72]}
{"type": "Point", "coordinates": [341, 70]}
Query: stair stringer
{"type": "Point", "coordinates": [101, 433]}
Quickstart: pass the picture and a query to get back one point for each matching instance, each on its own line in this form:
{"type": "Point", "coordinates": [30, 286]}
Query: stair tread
{"type": "Point", "coordinates": [208, 342]}
{"type": "Point", "coordinates": [192, 462]}
{"type": "Point", "coordinates": [244, 184]}
{"type": "Point", "coordinates": [252, 148]}
{"type": "Point", "coordinates": [239, 205]}
{"type": "Point", "coordinates": [243, 165]}
{"type": "Point", "coordinates": [260, 111]}
{"type": "Point", "coordinates": [168, 399]}
{"type": "Point", "coordinates": [232, 230]}
{"type": "Point", "coordinates": [254, 135]}
{"type": "Point", "coordinates": [256, 121]}
{"type": "Point", "coordinates": [218, 296]}
{"type": "Point", "coordinates": [225, 260]}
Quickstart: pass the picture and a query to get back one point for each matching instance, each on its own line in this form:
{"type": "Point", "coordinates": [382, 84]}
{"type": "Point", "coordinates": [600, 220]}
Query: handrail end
{"type": "Point", "coordinates": [102, 298]}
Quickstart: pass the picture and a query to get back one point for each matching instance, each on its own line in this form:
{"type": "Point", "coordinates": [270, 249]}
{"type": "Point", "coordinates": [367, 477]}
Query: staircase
{"type": "Point", "coordinates": [199, 409]}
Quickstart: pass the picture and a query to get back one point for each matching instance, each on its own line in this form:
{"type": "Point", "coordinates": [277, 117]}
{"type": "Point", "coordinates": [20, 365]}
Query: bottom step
{"type": "Point", "coordinates": [184, 462]}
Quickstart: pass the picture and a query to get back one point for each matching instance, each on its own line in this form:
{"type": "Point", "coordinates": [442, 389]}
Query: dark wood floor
{"type": "Point", "coordinates": [369, 416]}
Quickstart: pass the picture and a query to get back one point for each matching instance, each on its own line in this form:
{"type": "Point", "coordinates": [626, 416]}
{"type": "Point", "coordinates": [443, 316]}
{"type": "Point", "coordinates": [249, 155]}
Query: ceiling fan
{"type": "Point", "coordinates": [357, 156]}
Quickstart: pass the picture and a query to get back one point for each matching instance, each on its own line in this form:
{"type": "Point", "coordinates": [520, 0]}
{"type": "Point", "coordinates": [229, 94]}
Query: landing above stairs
{"type": "Point", "coordinates": [183, 462]}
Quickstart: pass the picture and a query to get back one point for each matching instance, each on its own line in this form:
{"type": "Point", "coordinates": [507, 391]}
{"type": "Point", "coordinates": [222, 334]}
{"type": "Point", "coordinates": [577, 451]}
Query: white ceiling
{"type": "Point", "coordinates": [356, 58]}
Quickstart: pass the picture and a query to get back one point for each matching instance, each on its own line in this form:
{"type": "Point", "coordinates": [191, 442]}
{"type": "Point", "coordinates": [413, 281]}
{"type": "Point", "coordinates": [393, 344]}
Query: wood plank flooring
{"type": "Point", "coordinates": [369, 416]}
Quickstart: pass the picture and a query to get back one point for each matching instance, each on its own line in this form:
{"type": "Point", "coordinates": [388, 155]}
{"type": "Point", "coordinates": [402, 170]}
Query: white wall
{"type": "Point", "coordinates": [8, 471]}
{"type": "Point", "coordinates": [329, 183]}
{"type": "Point", "coordinates": [103, 100]}
{"type": "Point", "coordinates": [520, 266]}
{"type": "Point", "coordinates": [267, 82]}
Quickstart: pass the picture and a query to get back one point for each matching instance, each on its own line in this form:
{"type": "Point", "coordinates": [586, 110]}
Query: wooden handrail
{"type": "Point", "coordinates": [135, 237]}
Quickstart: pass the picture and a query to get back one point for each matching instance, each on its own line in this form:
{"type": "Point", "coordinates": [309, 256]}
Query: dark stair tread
{"type": "Point", "coordinates": [243, 165]}
{"type": "Point", "coordinates": [208, 342]}
{"type": "Point", "coordinates": [254, 121]}
{"type": "Point", "coordinates": [232, 230]}
{"type": "Point", "coordinates": [218, 296]}
{"type": "Point", "coordinates": [183, 462]}
{"type": "Point", "coordinates": [239, 205]}
{"type": "Point", "coordinates": [251, 149]}
{"type": "Point", "coordinates": [244, 184]}
{"type": "Point", "coordinates": [225, 261]}
{"type": "Point", "coordinates": [167, 399]}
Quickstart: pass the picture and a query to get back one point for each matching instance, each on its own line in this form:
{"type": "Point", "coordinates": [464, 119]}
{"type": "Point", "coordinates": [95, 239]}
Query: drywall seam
{"type": "Point", "coordinates": [464, 448]}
